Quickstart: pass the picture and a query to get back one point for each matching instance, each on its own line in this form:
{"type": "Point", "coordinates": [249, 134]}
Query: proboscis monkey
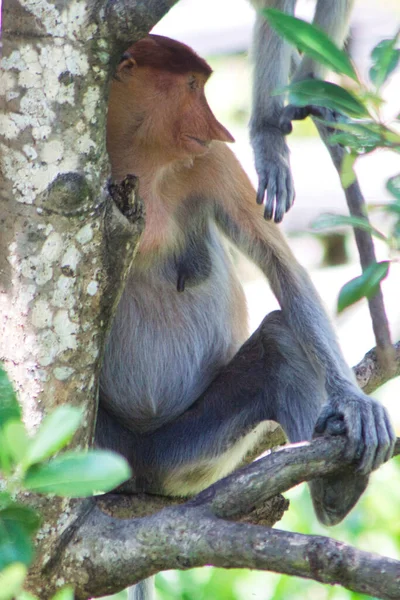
{"type": "Point", "coordinates": [274, 60]}
{"type": "Point", "coordinates": [184, 394]}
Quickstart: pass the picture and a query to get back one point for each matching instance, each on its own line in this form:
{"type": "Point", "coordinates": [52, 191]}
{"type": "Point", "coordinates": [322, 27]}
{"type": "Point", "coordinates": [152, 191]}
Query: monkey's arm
{"type": "Point", "coordinates": [272, 58]}
{"type": "Point", "coordinates": [333, 18]}
{"type": "Point", "coordinates": [370, 435]}
{"type": "Point", "coordinates": [269, 120]}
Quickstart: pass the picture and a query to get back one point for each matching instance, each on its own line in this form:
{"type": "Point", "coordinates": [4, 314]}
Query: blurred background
{"type": "Point", "coordinates": [220, 30]}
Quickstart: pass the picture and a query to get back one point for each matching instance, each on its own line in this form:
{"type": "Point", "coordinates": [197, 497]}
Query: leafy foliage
{"type": "Point", "coordinates": [77, 474]}
{"type": "Point", "coordinates": [27, 463]}
{"type": "Point", "coordinates": [329, 95]}
{"type": "Point", "coordinates": [364, 286]}
{"type": "Point", "coordinates": [311, 40]}
{"type": "Point", "coordinates": [359, 137]}
{"type": "Point", "coordinates": [385, 57]}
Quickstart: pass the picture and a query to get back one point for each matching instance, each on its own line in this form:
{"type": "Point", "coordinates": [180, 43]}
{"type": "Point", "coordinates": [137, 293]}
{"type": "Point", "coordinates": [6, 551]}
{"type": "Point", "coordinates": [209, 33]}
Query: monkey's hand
{"type": "Point", "coordinates": [370, 442]}
{"type": "Point", "coordinates": [275, 182]}
{"type": "Point", "coordinates": [299, 113]}
{"type": "Point", "coordinates": [366, 423]}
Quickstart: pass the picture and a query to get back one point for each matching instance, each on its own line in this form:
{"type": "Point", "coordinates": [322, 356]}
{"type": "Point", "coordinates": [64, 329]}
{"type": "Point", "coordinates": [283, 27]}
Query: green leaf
{"type": "Point", "coordinates": [364, 286]}
{"type": "Point", "coordinates": [5, 500]}
{"type": "Point", "coordinates": [26, 596]}
{"type": "Point", "coordinates": [311, 40]}
{"type": "Point", "coordinates": [347, 174]}
{"type": "Point", "coordinates": [9, 407]}
{"type": "Point", "coordinates": [5, 458]}
{"type": "Point", "coordinates": [66, 593]}
{"type": "Point", "coordinates": [13, 443]}
{"type": "Point", "coordinates": [323, 93]}
{"type": "Point", "coordinates": [15, 544]}
{"type": "Point", "coordinates": [54, 433]}
{"type": "Point", "coordinates": [328, 221]}
{"type": "Point", "coordinates": [367, 135]}
{"type": "Point", "coordinates": [393, 207]}
{"type": "Point", "coordinates": [393, 186]}
{"type": "Point", "coordinates": [11, 580]}
{"type": "Point", "coordinates": [391, 138]}
{"type": "Point", "coordinates": [78, 474]}
{"type": "Point", "coordinates": [16, 440]}
{"type": "Point", "coordinates": [25, 516]}
{"type": "Point", "coordinates": [385, 57]}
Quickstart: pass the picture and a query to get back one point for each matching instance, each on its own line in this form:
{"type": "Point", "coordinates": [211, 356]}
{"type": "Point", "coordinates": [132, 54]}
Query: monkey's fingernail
{"type": "Point", "coordinates": [260, 195]}
{"type": "Point", "coordinates": [268, 212]}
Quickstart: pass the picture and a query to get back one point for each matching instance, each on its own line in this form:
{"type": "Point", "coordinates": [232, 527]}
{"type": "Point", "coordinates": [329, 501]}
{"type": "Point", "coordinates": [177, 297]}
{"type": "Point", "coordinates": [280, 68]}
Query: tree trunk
{"type": "Point", "coordinates": [58, 280]}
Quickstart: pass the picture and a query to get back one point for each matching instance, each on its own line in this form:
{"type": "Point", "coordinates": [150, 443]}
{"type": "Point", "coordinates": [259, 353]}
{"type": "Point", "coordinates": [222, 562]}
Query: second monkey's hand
{"type": "Point", "coordinates": [275, 182]}
{"type": "Point", "coordinates": [299, 113]}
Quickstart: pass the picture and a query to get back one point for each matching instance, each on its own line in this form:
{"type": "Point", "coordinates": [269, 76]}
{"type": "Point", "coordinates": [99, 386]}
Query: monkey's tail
{"type": "Point", "coordinates": [144, 590]}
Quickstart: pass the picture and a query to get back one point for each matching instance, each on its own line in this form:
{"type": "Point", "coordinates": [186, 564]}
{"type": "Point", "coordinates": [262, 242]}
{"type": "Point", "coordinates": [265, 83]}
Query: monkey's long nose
{"type": "Point", "coordinates": [216, 130]}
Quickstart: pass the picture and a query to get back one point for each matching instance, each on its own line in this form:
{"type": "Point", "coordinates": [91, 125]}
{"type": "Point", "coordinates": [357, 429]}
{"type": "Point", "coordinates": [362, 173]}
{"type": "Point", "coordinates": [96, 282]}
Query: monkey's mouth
{"type": "Point", "coordinates": [203, 143]}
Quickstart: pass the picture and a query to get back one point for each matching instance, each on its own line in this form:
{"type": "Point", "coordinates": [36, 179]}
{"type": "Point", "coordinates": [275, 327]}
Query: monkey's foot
{"type": "Point", "coordinates": [335, 495]}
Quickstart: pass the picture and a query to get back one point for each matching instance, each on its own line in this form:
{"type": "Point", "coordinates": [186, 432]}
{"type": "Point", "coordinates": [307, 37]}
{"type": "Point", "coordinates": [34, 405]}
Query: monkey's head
{"type": "Point", "coordinates": [158, 97]}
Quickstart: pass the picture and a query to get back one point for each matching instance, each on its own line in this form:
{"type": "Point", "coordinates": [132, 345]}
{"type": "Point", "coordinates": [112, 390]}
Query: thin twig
{"type": "Point", "coordinates": [369, 373]}
{"type": "Point", "coordinates": [357, 207]}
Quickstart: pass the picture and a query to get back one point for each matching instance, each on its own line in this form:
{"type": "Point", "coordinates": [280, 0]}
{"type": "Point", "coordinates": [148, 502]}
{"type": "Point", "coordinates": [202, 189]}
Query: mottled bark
{"type": "Point", "coordinates": [59, 229]}
{"type": "Point", "coordinates": [370, 373]}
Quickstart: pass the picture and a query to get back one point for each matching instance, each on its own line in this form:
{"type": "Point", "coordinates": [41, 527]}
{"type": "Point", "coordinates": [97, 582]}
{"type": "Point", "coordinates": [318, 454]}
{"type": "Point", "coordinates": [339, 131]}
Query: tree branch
{"type": "Point", "coordinates": [196, 533]}
{"type": "Point", "coordinates": [123, 22]}
{"type": "Point", "coordinates": [370, 374]}
{"type": "Point", "coordinates": [357, 207]}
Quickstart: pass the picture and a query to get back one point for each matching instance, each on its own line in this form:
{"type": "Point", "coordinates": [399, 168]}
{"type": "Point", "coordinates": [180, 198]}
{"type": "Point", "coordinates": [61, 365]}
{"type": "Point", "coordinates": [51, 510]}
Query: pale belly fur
{"type": "Point", "coordinates": [165, 346]}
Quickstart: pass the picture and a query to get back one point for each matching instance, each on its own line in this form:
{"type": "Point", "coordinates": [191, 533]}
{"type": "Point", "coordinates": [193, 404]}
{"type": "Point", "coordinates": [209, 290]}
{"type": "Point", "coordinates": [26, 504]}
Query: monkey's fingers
{"type": "Point", "coordinates": [370, 435]}
{"type": "Point", "coordinates": [281, 206]}
{"type": "Point", "coordinates": [292, 113]}
{"type": "Point", "coordinates": [276, 192]}
{"type": "Point", "coordinates": [262, 186]}
{"type": "Point", "coordinates": [275, 182]}
{"type": "Point", "coordinates": [270, 198]}
{"type": "Point", "coordinates": [327, 414]}
{"type": "Point", "coordinates": [378, 428]}
{"type": "Point", "coordinates": [299, 113]}
{"type": "Point", "coordinates": [291, 194]}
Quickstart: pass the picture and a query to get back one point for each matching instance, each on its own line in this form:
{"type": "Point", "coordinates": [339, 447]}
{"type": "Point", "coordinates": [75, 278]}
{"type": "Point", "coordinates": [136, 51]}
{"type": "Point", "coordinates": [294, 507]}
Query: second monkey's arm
{"type": "Point", "coordinates": [269, 120]}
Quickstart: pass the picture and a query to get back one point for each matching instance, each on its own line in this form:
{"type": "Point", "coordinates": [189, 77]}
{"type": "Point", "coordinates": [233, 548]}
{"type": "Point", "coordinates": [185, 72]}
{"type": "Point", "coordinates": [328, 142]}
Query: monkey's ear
{"type": "Point", "coordinates": [126, 65]}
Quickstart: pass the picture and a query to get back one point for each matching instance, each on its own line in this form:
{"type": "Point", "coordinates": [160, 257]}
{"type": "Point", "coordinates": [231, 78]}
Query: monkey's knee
{"type": "Point", "coordinates": [275, 333]}
{"type": "Point", "coordinates": [334, 496]}
{"type": "Point", "coordinates": [274, 325]}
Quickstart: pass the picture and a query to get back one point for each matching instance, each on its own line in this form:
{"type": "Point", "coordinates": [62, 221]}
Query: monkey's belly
{"type": "Point", "coordinates": [165, 347]}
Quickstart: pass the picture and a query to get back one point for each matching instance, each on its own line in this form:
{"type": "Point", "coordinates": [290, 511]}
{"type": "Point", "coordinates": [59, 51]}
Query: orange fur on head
{"type": "Point", "coordinates": [165, 54]}
{"type": "Point", "coordinates": [158, 112]}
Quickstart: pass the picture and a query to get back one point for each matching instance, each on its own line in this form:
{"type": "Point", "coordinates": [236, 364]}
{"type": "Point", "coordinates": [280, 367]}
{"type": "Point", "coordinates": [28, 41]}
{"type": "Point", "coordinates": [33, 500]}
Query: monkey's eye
{"type": "Point", "coordinates": [193, 83]}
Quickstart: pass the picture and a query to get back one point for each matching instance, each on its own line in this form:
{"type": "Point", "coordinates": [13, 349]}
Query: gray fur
{"type": "Point", "coordinates": [156, 328]}
{"type": "Point", "coordinates": [144, 590]}
{"type": "Point", "coordinates": [273, 60]}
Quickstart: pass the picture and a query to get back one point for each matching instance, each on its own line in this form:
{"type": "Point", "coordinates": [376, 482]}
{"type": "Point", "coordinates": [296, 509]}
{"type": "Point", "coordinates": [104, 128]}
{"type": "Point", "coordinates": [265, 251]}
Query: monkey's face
{"type": "Point", "coordinates": [167, 112]}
